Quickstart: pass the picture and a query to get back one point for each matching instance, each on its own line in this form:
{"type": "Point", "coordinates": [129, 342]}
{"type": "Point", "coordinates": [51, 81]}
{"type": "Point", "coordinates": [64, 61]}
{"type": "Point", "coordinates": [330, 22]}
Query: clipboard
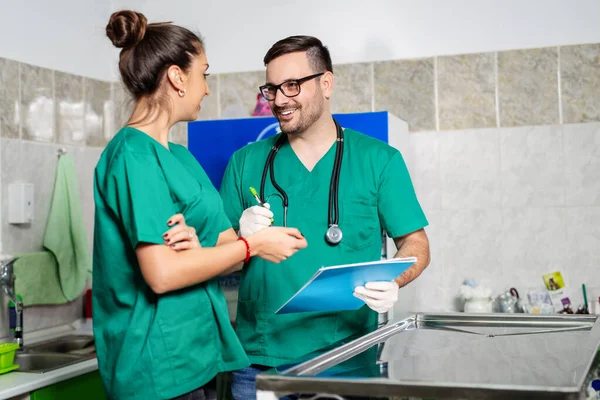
{"type": "Point", "coordinates": [331, 288]}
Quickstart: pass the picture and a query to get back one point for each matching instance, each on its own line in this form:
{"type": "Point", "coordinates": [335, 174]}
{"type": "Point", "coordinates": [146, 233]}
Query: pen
{"type": "Point", "coordinates": [260, 203]}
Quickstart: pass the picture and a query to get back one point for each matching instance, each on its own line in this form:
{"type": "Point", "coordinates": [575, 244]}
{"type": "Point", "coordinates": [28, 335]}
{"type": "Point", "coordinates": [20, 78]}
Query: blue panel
{"type": "Point", "coordinates": [213, 142]}
{"type": "Point", "coordinates": [374, 124]}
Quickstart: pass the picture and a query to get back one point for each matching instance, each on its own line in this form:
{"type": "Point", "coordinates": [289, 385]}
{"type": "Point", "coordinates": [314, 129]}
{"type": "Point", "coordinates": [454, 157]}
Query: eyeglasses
{"type": "Point", "coordinates": [289, 88]}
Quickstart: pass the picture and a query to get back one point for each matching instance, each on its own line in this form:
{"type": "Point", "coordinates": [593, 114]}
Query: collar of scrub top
{"type": "Point", "coordinates": [334, 233]}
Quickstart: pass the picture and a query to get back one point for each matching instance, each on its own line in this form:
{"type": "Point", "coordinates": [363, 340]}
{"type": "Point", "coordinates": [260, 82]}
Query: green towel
{"type": "Point", "coordinates": [37, 279]}
{"type": "Point", "coordinates": [65, 234]}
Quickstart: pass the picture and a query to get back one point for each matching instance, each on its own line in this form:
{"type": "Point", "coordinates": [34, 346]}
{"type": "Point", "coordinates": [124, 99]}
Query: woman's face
{"type": "Point", "coordinates": [196, 88]}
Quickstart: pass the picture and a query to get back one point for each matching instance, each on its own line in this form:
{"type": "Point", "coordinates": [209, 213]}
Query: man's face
{"type": "Point", "coordinates": [295, 114]}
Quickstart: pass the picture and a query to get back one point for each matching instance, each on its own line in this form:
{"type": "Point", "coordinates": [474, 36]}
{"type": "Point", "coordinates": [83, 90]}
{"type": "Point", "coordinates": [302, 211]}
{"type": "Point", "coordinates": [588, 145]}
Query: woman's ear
{"type": "Point", "coordinates": [176, 77]}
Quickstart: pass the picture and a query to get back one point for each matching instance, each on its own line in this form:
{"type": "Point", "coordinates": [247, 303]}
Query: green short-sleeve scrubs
{"type": "Point", "coordinates": [152, 346]}
{"type": "Point", "coordinates": [375, 192]}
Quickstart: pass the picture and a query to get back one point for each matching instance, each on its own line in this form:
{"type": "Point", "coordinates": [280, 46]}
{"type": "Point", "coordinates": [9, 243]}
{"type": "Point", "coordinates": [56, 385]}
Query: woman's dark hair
{"type": "Point", "coordinates": [149, 50]}
{"type": "Point", "coordinates": [317, 53]}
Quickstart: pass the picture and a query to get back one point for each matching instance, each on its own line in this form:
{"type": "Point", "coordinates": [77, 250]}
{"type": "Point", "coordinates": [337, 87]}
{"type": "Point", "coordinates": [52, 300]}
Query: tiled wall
{"type": "Point", "coordinates": [506, 206]}
{"type": "Point", "coordinates": [489, 90]}
{"type": "Point", "coordinates": [42, 111]}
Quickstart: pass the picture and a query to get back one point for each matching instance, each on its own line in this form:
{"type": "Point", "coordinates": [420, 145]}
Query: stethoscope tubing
{"type": "Point", "coordinates": [333, 211]}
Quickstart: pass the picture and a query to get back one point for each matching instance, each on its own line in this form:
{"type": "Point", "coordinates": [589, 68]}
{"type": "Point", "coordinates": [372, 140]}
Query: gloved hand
{"type": "Point", "coordinates": [254, 219]}
{"type": "Point", "coordinates": [379, 296]}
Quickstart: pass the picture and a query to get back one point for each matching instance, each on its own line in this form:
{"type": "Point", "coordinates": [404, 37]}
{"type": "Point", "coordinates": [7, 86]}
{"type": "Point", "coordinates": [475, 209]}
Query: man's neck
{"type": "Point", "coordinates": [311, 145]}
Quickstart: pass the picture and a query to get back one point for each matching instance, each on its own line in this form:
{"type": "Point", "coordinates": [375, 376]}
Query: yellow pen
{"type": "Point", "coordinates": [260, 203]}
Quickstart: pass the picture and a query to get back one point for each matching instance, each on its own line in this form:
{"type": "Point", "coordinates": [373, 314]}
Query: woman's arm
{"type": "Point", "coordinates": [229, 236]}
{"type": "Point", "coordinates": [166, 270]}
{"type": "Point", "coordinates": [183, 237]}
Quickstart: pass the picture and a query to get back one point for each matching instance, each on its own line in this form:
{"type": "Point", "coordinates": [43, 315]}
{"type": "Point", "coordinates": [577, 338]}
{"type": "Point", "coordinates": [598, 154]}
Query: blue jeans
{"type": "Point", "coordinates": [198, 394]}
{"type": "Point", "coordinates": [243, 384]}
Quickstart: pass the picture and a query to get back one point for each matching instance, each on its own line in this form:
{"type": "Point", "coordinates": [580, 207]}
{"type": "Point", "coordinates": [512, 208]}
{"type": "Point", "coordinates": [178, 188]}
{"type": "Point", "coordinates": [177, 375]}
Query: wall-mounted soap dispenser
{"type": "Point", "coordinates": [20, 203]}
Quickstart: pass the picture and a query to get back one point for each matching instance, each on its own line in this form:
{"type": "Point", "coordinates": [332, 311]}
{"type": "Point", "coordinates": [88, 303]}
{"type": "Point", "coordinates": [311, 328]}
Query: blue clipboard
{"type": "Point", "coordinates": [331, 288]}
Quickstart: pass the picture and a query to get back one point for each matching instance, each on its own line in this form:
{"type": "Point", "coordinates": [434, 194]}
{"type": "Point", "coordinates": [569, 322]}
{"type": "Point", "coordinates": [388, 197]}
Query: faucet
{"type": "Point", "coordinates": [7, 280]}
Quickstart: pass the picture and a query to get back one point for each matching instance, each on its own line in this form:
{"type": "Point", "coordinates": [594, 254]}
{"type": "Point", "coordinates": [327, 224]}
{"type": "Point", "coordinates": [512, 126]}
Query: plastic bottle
{"type": "Point", "coordinates": [12, 316]}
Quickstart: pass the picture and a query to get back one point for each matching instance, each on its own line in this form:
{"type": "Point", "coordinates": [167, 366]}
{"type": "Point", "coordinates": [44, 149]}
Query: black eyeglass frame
{"type": "Point", "coordinates": [275, 88]}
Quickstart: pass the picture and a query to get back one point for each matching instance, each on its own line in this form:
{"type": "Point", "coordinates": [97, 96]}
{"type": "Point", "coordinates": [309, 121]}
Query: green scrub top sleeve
{"type": "Point", "coordinates": [143, 198]}
{"type": "Point", "coordinates": [231, 194]}
{"type": "Point", "coordinates": [221, 223]}
{"type": "Point", "coordinates": [399, 208]}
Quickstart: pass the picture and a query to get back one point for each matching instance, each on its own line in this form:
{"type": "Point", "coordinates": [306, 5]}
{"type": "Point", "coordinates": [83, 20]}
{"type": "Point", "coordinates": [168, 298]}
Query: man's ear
{"type": "Point", "coordinates": [327, 82]}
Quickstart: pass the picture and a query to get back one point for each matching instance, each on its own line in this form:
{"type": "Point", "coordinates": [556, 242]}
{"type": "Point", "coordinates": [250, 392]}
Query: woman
{"type": "Point", "coordinates": [160, 320]}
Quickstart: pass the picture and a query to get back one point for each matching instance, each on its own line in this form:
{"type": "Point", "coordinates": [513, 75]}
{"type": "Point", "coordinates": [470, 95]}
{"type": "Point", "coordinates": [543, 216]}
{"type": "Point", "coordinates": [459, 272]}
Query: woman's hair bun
{"type": "Point", "coordinates": [126, 28]}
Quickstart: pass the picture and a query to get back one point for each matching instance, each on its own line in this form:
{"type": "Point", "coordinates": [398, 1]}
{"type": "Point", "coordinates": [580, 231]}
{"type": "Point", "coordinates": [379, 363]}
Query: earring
{"type": "Point", "coordinates": [182, 92]}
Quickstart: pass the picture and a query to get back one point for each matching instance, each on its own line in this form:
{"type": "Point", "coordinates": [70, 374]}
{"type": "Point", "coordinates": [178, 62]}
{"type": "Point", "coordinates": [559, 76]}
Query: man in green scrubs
{"type": "Point", "coordinates": [375, 192]}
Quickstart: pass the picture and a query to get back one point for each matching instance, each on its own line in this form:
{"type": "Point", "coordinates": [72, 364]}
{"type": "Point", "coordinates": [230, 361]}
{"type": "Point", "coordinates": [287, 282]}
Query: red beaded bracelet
{"type": "Point", "coordinates": [247, 249]}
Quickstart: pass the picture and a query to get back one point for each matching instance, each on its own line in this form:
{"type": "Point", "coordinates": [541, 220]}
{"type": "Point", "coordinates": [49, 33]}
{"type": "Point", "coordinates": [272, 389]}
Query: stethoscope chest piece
{"type": "Point", "coordinates": [333, 235]}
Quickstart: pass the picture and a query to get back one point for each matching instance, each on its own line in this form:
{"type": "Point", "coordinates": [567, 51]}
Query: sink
{"type": "Point", "coordinates": [55, 353]}
{"type": "Point", "coordinates": [44, 362]}
{"type": "Point", "coordinates": [73, 344]}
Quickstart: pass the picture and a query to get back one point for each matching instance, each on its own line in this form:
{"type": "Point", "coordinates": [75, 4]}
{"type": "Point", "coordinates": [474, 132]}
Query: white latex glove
{"type": "Point", "coordinates": [254, 219]}
{"type": "Point", "coordinates": [379, 296]}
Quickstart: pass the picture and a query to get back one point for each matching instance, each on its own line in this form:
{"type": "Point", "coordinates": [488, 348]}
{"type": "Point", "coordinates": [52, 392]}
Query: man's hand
{"type": "Point", "coordinates": [254, 219]}
{"type": "Point", "coordinates": [379, 296]}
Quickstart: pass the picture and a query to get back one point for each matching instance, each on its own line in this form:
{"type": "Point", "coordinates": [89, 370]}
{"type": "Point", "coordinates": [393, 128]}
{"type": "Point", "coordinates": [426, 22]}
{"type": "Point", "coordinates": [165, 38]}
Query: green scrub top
{"type": "Point", "coordinates": [152, 346]}
{"type": "Point", "coordinates": [375, 191]}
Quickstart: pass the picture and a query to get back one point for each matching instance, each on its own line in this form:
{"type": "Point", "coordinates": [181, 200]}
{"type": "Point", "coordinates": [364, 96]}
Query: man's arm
{"type": "Point", "coordinates": [381, 296]}
{"type": "Point", "coordinates": [415, 244]}
{"type": "Point", "coordinates": [399, 212]}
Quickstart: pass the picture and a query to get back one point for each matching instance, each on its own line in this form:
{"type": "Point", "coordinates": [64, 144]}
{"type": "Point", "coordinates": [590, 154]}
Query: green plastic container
{"type": "Point", "coordinates": [7, 354]}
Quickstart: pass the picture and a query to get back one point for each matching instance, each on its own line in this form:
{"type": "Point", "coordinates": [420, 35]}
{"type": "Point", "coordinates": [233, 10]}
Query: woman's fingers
{"type": "Point", "coordinates": [176, 219]}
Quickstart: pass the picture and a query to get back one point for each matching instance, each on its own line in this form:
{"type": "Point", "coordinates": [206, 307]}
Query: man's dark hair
{"type": "Point", "coordinates": [317, 53]}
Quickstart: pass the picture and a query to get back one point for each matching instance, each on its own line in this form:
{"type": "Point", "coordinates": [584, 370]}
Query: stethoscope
{"type": "Point", "coordinates": [334, 233]}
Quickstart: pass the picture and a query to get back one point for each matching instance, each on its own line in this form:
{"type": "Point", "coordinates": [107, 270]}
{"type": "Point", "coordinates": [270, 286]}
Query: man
{"type": "Point", "coordinates": [374, 192]}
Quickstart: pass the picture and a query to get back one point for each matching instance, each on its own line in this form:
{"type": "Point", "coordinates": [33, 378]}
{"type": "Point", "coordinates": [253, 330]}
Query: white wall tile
{"type": "Point", "coordinates": [41, 317]}
{"type": "Point", "coordinates": [472, 248]}
{"type": "Point", "coordinates": [534, 244]}
{"type": "Point", "coordinates": [11, 167]}
{"type": "Point", "coordinates": [532, 167]}
{"type": "Point", "coordinates": [37, 166]}
{"type": "Point", "coordinates": [428, 290]}
{"type": "Point", "coordinates": [470, 169]}
{"type": "Point", "coordinates": [583, 246]}
{"type": "Point", "coordinates": [582, 164]}
{"type": "Point", "coordinates": [425, 174]}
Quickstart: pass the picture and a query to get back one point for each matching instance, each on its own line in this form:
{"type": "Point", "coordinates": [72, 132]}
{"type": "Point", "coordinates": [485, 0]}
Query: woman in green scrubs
{"type": "Point", "coordinates": [161, 325]}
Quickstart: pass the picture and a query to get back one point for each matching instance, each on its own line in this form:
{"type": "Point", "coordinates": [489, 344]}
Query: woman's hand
{"type": "Point", "coordinates": [180, 236]}
{"type": "Point", "coordinates": [276, 244]}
